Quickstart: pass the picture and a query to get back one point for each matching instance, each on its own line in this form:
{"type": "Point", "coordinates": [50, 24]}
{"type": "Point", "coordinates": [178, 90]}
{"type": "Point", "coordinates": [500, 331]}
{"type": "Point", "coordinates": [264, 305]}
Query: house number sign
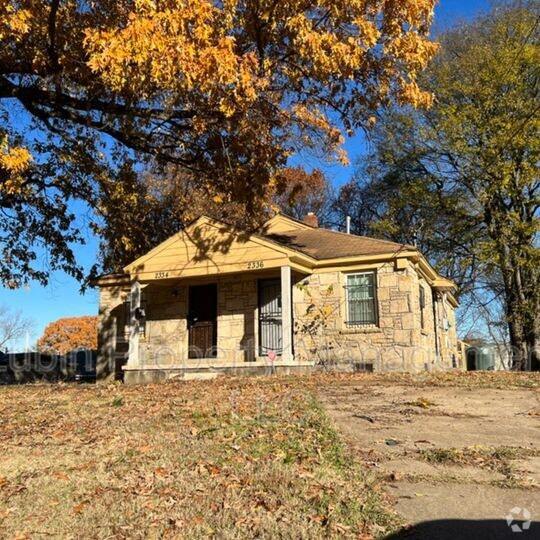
{"type": "Point", "coordinates": [254, 265]}
{"type": "Point", "coordinates": [161, 275]}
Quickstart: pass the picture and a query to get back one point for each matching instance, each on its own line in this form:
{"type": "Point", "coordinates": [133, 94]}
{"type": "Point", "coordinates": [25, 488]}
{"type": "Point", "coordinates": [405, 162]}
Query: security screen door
{"type": "Point", "coordinates": [270, 327]}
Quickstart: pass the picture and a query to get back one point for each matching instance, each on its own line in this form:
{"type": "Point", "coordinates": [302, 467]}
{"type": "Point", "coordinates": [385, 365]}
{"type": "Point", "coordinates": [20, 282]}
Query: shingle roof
{"type": "Point", "coordinates": [326, 244]}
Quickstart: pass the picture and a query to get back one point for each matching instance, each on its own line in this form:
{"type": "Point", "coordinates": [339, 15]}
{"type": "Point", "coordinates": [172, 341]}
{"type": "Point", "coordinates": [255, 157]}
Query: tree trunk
{"type": "Point", "coordinates": [533, 344]}
{"type": "Point", "coordinates": [522, 315]}
{"type": "Point", "coordinates": [517, 342]}
{"type": "Point", "coordinates": [517, 264]}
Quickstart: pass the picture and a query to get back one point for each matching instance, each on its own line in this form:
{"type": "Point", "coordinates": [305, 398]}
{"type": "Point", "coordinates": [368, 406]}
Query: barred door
{"type": "Point", "coordinates": [202, 321]}
{"type": "Point", "coordinates": [270, 331]}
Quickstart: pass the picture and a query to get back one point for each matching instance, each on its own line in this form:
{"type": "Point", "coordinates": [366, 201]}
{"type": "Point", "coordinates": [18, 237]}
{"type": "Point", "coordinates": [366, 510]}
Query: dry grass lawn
{"type": "Point", "coordinates": [231, 458]}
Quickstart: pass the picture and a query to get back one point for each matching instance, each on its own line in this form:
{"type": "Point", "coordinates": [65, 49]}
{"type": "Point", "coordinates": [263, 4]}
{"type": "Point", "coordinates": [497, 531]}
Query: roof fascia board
{"type": "Point", "coordinates": [432, 276]}
{"type": "Point", "coordinates": [358, 259]}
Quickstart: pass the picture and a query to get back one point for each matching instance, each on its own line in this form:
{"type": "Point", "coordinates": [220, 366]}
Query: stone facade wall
{"type": "Point", "coordinates": [396, 342]}
{"type": "Point", "coordinates": [112, 336]}
{"type": "Point", "coordinates": [425, 333]}
{"type": "Point", "coordinates": [237, 312]}
{"type": "Point", "coordinates": [447, 334]}
{"type": "Point", "coordinates": [321, 334]}
{"type": "Point", "coordinates": [165, 339]}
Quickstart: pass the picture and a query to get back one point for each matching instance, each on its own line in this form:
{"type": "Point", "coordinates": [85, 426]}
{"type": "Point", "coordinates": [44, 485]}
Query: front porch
{"type": "Point", "coordinates": [239, 323]}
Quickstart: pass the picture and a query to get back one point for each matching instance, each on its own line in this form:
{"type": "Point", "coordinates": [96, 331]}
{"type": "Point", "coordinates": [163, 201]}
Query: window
{"type": "Point", "coordinates": [361, 299]}
{"type": "Point", "coordinates": [422, 306]}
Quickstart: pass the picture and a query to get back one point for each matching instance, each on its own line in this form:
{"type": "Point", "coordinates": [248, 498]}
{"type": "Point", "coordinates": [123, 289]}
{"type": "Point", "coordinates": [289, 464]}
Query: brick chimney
{"type": "Point", "coordinates": [311, 220]}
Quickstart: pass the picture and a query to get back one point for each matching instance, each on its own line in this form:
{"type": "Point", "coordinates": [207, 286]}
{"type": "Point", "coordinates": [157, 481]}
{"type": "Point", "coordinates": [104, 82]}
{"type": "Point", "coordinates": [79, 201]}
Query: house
{"type": "Point", "coordinates": [287, 298]}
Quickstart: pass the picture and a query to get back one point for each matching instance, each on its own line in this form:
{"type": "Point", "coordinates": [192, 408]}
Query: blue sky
{"type": "Point", "coordinates": [61, 298]}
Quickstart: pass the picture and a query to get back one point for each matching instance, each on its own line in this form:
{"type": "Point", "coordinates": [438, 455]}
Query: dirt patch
{"type": "Point", "coordinates": [456, 449]}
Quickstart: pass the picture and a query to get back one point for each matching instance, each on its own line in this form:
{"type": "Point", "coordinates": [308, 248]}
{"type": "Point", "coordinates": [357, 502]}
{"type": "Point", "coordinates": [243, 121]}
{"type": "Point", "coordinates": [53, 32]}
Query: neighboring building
{"type": "Point", "coordinates": [288, 298]}
{"type": "Point", "coordinates": [485, 355]}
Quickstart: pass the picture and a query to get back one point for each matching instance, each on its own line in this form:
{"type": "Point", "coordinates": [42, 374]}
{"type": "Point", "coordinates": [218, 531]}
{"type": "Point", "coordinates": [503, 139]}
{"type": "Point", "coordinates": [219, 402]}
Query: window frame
{"type": "Point", "coordinates": [359, 324]}
{"type": "Point", "coordinates": [422, 304]}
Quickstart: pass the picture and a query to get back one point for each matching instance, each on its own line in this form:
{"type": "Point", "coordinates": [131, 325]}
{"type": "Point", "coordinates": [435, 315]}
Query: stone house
{"type": "Point", "coordinates": [288, 298]}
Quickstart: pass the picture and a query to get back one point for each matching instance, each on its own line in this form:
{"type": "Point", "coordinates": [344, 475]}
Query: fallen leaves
{"type": "Point", "coordinates": [160, 471]}
{"type": "Point", "coordinates": [248, 457]}
{"type": "Point", "coordinates": [79, 508]}
{"type": "Point", "coordinates": [421, 402]}
{"type": "Point", "coordinates": [462, 379]}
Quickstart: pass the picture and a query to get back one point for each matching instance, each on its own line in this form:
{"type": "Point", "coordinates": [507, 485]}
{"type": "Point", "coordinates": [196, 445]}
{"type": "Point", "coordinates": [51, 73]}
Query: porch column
{"type": "Point", "coordinates": [286, 314]}
{"type": "Point", "coordinates": [135, 303]}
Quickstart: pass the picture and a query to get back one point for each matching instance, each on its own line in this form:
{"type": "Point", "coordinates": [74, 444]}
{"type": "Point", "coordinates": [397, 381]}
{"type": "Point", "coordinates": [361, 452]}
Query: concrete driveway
{"type": "Point", "coordinates": [458, 462]}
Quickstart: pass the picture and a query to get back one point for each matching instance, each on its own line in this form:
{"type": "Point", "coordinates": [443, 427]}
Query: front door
{"type": "Point", "coordinates": [270, 331]}
{"type": "Point", "coordinates": [202, 321]}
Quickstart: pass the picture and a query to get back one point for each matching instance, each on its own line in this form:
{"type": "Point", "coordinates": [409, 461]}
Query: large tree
{"type": "Point", "coordinates": [299, 192]}
{"type": "Point", "coordinates": [226, 90]}
{"type": "Point", "coordinates": [137, 211]}
{"type": "Point", "coordinates": [461, 178]}
{"type": "Point", "coordinates": [69, 334]}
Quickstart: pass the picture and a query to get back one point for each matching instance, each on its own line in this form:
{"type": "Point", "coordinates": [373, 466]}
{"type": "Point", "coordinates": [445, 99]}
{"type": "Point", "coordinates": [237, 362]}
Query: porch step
{"type": "Point", "coordinates": [200, 376]}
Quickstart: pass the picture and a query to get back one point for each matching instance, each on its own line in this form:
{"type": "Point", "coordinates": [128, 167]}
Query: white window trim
{"type": "Point", "coordinates": [372, 325]}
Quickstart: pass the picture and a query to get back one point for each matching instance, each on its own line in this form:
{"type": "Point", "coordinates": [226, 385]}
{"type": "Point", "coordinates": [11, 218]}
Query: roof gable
{"type": "Point", "coordinates": [205, 247]}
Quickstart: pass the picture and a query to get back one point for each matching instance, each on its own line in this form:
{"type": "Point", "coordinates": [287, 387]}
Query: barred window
{"type": "Point", "coordinates": [361, 299]}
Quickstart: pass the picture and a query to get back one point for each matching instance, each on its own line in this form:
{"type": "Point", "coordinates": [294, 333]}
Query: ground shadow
{"type": "Point", "coordinates": [463, 529]}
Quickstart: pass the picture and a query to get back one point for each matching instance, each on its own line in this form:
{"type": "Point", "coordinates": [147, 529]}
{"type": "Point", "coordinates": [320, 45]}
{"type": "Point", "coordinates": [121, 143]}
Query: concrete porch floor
{"type": "Point", "coordinates": [209, 368]}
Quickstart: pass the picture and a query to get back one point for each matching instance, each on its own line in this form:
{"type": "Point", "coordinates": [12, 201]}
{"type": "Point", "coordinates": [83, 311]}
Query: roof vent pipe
{"type": "Point", "coordinates": [348, 224]}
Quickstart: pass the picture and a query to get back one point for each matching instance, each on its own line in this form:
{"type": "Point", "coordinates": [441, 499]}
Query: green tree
{"type": "Point", "coordinates": [461, 179]}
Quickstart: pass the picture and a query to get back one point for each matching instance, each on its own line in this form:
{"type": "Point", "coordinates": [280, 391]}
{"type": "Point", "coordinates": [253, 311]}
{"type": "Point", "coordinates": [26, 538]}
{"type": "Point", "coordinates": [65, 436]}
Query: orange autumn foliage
{"type": "Point", "coordinates": [69, 333]}
{"type": "Point", "coordinates": [228, 91]}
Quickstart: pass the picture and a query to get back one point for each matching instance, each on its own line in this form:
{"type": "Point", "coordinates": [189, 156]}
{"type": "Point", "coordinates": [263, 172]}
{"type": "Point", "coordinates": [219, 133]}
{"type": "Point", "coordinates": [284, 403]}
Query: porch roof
{"type": "Point", "coordinates": [209, 247]}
